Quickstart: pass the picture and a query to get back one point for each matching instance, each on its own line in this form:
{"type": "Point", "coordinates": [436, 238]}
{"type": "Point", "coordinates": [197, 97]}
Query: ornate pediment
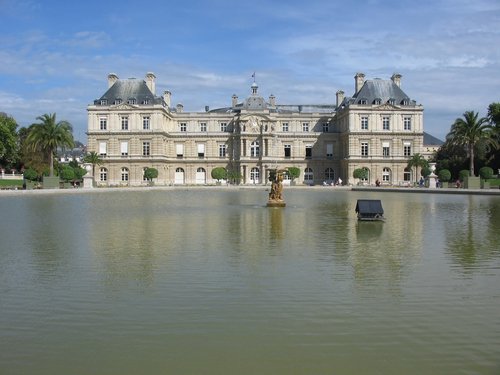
{"type": "Point", "coordinates": [385, 107]}
{"type": "Point", "coordinates": [124, 106]}
{"type": "Point", "coordinates": [256, 124]}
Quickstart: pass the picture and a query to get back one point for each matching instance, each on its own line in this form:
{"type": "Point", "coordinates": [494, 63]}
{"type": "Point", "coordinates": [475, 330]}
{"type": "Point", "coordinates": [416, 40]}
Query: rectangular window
{"type": "Point", "coordinates": [146, 148]}
{"type": "Point", "coordinates": [201, 150]}
{"type": "Point", "coordinates": [179, 150]}
{"type": "Point", "coordinates": [364, 123]}
{"type": "Point", "coordinates": [103, 123]}
{"type": "Point", "coordinates": [305, 126]}
{"type": "Point", "coordinates": [102, 148]}
{"type": "Point", "coordinates": [288, 151]}
{"type": "Point", "coordinates": [385, 149]}
{"type": "Point", "coordinates": [407, 149]}
{"type": "Point", "coordinates": [146, 122]}
{"type": "Point", "coordinates": [329, 150]}
{"type": "Point", "coordinates": [104, 102]}
{"type": "Point", "coordinates": [223, 126]}
{"type": "Point", "coordinates": [407, 123]}
{"type": "Point", "coordinates": [124, 122]}
{"type": "Point", "coordinates": [203, 126]}
{"type": "Point", "coordinates": [222, 151]}
{"type": "Point", "coordinates": [309, 151]}
{"type": "Point", "coordinates": [284, 126]}
{"type": "Point", "coordinates": [326, 127]}
{"type": "Point", "coordinates": [385, 123]}
{"type": "Point", "coordinates": [364, 149]}
{"type": "Point", "coordinates": [124, 148]}
{"type": "Point", "coordinates": [182, 126]}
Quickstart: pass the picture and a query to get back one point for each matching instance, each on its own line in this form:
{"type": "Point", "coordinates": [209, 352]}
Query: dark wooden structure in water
{"type": "Point", "coordinates": [370, 210]}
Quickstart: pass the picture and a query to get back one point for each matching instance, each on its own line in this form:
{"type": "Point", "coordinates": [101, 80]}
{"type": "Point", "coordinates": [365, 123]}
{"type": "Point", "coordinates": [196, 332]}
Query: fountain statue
{"type": "Point", "coordinates": [276, 193]}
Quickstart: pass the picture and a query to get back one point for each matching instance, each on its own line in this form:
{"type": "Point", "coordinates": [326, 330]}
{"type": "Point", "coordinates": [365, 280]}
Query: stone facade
{"type": "Point", "coordinates": [132, 128]}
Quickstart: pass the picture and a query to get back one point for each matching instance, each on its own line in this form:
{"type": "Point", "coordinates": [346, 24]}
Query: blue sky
{"type": "Point", "coordinates": [55, 55]}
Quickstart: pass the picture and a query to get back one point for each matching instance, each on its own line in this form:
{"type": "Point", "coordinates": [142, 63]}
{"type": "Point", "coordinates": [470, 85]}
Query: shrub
{"type": "Point", "coordinates": [486, 173]}
{"type": "Point", "coordinates": [67, 173]}
{"type": "Point", "coordinates": [30, 174]}
{"type": "Point", "coordinates": [425, 171]}
{"type": "Point", "coordinates": [293, 172]}
{"type": "Point", "coordinates": [463, 174]}
{"type": "Point", "coordinates": [444, 175]}
{"type": "Point", "coordinates": [219, 173]}
{"type": "Point", "coordinates": [361, 173]}
{"type": "Point", "coordinates": [150, 173]}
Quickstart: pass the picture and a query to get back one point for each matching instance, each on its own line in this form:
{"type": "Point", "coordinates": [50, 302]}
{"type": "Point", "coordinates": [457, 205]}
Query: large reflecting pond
{"type": "Point", "coordinates": [210, 281]}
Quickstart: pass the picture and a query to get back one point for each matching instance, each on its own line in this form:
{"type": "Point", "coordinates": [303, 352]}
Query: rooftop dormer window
{"type": "Point", "coordinates": [363, 101]}
{"type": "Point", "coordinates": [145, 101]}
{"type": "Point", "coordinates": [377, 101]}
{"type": "Point", "coordinates": [391, 101]}
{"type": "Point", "coordinates": [104, 102]}
{"type": "Point", "coordinates": [132, 101]}
{"type": "Point", "coordinates": [405, 101]}
{"type": "Point", "coordinates": [118, 101]}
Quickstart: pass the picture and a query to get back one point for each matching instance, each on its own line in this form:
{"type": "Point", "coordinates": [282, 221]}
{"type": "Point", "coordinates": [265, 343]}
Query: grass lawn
{"type": "Point", "coordinates": [494, 182]}
{"type": "Point", "coordinates": [11, 183]}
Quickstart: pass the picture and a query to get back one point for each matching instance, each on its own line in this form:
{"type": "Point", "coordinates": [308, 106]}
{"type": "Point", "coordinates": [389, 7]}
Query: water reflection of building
{"type": "Point", "coordinates": [132, 128]}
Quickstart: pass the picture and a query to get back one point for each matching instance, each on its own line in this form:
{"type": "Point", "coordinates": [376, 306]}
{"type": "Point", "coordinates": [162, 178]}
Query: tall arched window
{"type": "Point", "coordinates": [103, 174]}
{"type": "Point", "coordinates": [407, 174]}
{"type": "Point", "coordinates": [200, 176]}
{"type": "Point", "coordinates": [329, 175]}
{"type": "Point", "coordinates": [308, 176]}
{"type": "Point", "coordinates": [386, 175]}
{"type": "Point", "coordinates": [254, 149]}
{"type": "Point", "coordinates": [255, 175]}
{"type": "Point", "coordinates": [124, 174]}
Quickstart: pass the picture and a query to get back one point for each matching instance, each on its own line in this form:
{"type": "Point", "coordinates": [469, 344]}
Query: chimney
{"type": "Point", "coordinates": [150, 82]}
{"type": "Point", "coordinates": [359, 80]}
{"type": "Point", "coordinates": [180, 108]}
{"type": "Point", "coordinates": [340, 97]}
{"type": "Point", "coordinates": [112, 78]}
{"type": "Point", "coordinates": [234, 100]}
{"type": "Point", "coordinates": [396, 78]}
{"type": "Point", "coordinates": [272, 100]}
{"type": "Point", "coordinates": [166, 98]}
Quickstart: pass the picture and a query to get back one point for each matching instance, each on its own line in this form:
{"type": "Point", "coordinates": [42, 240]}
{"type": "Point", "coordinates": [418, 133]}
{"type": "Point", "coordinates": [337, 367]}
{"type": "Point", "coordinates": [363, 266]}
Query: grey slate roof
{"type": "Point", "coordinates": [126, 89]}
{"type": "Point", "coordinates": [430, 140]}
{"type": "Point", "coordinates": [379, 89]}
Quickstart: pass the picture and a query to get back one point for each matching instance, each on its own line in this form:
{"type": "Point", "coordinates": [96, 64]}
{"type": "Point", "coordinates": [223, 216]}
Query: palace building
{"type": "Point", "coordinates": [132, 128]}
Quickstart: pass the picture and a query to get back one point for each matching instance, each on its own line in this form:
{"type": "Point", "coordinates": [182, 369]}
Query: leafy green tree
{"type": "Point", "coordinates": [293, 172]}
{"type": "Point", "coordinates": [417, 161]}
{"type": "Point", "coordinates": [8, 141]}
{"type": "Point", "coordinates": [219, 173]}
{"type": "Point", "coordinates": [444, 175]}
{"type": "Point", "coordinates": [494, 114]}
{"type": "Point", "coordinates": [463, 174]}
{"type": "Point", "coordinates": [471, 132]}
{"type": "Point", "coordinates": [94, 159]}
{"type": "Point", "coordinates": [234, 176]}
{"type": "Point", "coordinates": [47, 135]}
{"type": "Point", "coordinates": [361, 173]}
{"type": "Point", "coordinates": [150, 173]}
{"type": "Point", "coordinates": [486, 173]}
{"type": "Point", "coordinates": [30, 174]}
{"type": "Point", "coordinates": [67, 173]}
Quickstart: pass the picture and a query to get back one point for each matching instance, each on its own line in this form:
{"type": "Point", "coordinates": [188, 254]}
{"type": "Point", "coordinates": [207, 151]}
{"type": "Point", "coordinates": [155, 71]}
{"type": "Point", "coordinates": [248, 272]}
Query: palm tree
{"type": "Point", "coordinates": [48, 135]}
{"type": "Point", "coordinates": [94, 159]}
{"type": "Point", "coordinates": [470, 132]}
{"type": "Point", "coordinates": [417, 161]}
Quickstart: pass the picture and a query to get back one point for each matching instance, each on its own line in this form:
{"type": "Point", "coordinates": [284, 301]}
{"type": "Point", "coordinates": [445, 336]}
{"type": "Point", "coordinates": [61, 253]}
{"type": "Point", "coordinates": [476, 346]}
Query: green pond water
{"type": "Point", "coordinates": [210, 281]}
